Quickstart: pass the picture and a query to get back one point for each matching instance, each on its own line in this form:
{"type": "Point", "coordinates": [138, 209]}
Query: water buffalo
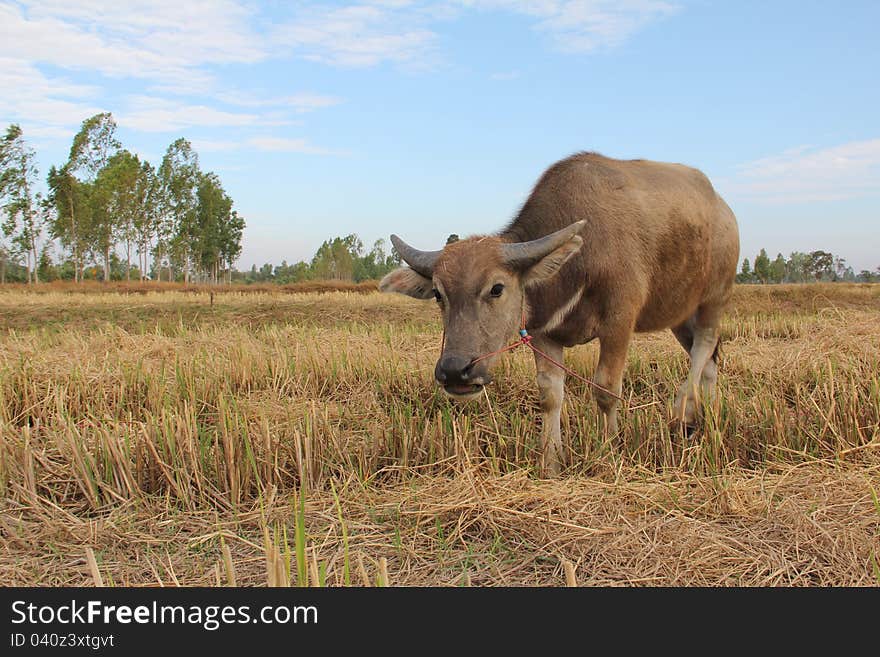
{"type": "Point", "coordinates": [600, 249]}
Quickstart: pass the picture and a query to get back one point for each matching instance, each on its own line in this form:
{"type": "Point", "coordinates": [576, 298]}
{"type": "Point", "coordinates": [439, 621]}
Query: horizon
{"type": "Point", "coordinates": [431, 118]}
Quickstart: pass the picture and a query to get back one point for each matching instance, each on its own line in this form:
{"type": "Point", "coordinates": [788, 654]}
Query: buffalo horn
{"type": "Point", "coordinates": [520, 255]}
{"type": "Point", "coordinates": [419, 261]}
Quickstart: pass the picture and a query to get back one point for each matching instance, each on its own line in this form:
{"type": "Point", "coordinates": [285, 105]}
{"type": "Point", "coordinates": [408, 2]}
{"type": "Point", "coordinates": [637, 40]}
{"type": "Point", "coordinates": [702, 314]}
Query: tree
{"type": "Point", "coordinates": [452, 238]}
{"type": "Point", "coordinates": [180, 176]}
{"type": "Point", "coordinates": [377, 262]}
{"type": "Point", "coordinates": [98, 232]}
{"type": "Point", "coordinates": [146, 221]}
{"type": "Point", "coordinates": [335, 259]}
{"type": "Point", "coordinates": [18, 175]}
{"type": "Point", "coordinates": [762, 267]}
{"type": "Point", "coordinates": [92, 148]}
{"type": "Point", "coordinates": [71, 200]}
{"type": "Point", "coordinates": [843, 272]}
{"type": "Point", "coordinates": [94, 145]}
{"type": "Point", "coordinates": [213, 212]}
{"type": "Point", "coordinates": [48, 271]}
{"type": "Point", "coordinates": [324, 263]}
{"type": "Point", "coordinates": [115, 207]}
{"type": "Point", "coordinates": [777, 269]}
{"type": "Point", "coordinates": [230, 241]}
{"type": "Point", "coordinates": [821, 265]}
{"type": "Point", "coordinates": [292, 273]}
{"type": "Point", "coordinates": [371, 265]}
{"type": "Point", "coordinates": [745, 274]}
{"type": "Point", "coordinates": [797, 268]}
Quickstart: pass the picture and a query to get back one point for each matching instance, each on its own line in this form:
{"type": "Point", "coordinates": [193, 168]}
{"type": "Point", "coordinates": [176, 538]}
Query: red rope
{"type": "Point", "coordinates": [526, 339]}
{"type": "Point", "coordinates": [569, 370]}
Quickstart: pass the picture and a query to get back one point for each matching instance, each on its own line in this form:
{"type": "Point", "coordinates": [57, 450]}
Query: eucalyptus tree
{"type": "Point", "coordinates": [212, 213]}
{"type": "Point", "coordinates": [70, 186]}
{"type": "Point", "coordinates": [98, 232]}
{"type": "Point", "coordinates": [761, 269]}
{"type": "Point", "coordinates": [375, 264]}
{"type": "Point", "coordinates": [335, 259]}
{"type": "Point", "coordinates": [115, 206]}
{"type": "Point", "coordinates": [777, 269]}
{"type": "Point", "coordinates": [179, 173]}
{"type": "Point", "coordinates": [46, 268]}
{"type": "Point", "coordinates": [94, 145]}
{"type": "Point", "coordinates": [18, 175]}
{"type": "Point", "coordinates": [231, 232]}
{"type": "Point", "coordinates": [797, 267]}
{"type": "Point", "coordinates": [146, 223]}
{"type": "Point", "coordinates": [70, 197]}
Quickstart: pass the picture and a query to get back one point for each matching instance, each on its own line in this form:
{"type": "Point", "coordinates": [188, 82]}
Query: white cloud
{"type": "Point", "coordinates": [45, 107]}
{"type": "Point", "coordinates": [807, 173]}
{"type": "Point", "coordinates": [178, 45]}
{"type": "Point", "coordinates": [584, 25]}
{"type": "Point", "coordinates": [175, 44]}
{"type": "Point", "coordinates": [373, 32]}
{"type": "Point", "coordinates": [166, 40]}
{"type": "Point", "coordinates": [359, 35]}
{"type": "Point", "coordinates": [504, 76]}
{"type": "Point", "coordinates": [150, 114]}
{"type": "Point", "coordinates": [49, 132]}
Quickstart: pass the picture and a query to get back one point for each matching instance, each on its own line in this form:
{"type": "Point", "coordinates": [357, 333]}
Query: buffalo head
{"type": "Point", "coordinates": [479, 284]}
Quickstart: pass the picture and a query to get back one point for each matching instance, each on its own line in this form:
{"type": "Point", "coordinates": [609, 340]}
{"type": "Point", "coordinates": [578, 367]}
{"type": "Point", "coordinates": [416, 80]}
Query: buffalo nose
{"type": "Point", "coordinates": [453, 369]}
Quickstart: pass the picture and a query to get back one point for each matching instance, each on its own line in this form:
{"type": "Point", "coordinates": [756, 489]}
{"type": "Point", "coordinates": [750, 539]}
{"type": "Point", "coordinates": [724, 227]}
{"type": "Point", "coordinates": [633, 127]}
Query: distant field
{"type": "Point", "coordinates": [271, 436]}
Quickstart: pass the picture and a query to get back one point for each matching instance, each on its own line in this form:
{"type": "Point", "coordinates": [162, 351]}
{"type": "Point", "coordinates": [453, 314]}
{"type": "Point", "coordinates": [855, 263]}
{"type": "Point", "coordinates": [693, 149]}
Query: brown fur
{"type": "Point", "coordinates": [466, 264]}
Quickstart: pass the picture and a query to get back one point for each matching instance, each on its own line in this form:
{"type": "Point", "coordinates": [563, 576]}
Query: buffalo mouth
{"type": "Point", "coordinates": [463, 390]}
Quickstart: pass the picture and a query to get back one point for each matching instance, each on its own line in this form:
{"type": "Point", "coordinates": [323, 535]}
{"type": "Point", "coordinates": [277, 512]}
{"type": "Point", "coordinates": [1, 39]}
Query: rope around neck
{"type": "Point", "coordinates": [526, 339]}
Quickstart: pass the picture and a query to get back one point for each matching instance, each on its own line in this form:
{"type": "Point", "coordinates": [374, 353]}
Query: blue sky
{"type": "Point", "coordinates": [427, 118]}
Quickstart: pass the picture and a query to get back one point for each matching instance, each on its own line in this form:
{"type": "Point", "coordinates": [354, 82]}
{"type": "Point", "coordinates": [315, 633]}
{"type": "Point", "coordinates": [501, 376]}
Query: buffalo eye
{"type": "Point", "coordinates": [496, 290]}
{"type": "Point", "coordinates": [437, 295]}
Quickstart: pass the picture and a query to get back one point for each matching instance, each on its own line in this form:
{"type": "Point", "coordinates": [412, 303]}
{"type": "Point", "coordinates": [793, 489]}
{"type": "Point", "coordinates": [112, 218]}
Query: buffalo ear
{"type": "Point", "coordinates": [409, 282]}
{"type": "Point", "coordinates": [551, 263]}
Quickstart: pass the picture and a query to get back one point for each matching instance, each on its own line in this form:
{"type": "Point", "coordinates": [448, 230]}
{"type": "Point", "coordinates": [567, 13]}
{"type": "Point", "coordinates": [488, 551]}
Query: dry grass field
{"type": "Point", "coordinates": [271, 437]}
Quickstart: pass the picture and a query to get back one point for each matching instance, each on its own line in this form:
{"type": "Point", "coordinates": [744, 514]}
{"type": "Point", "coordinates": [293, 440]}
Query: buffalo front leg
{"type": "Point", "coordinates": [551, 380]}
{"type": "Point", "coordinates": [609, 375]}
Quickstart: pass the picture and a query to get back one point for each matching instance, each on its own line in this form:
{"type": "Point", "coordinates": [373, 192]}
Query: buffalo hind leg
{"type": "Point", "coordinates": [551, 387]}
{"type": "Point", "coordinates": [613, 348]}
{"type": "Point", "coordinates": [699, 336]}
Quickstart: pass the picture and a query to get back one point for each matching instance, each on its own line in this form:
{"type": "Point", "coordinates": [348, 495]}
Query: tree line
{"type": "Point", "coordinates": [176, 221]}
{"type": "Point", "coordinates": [340, 258]}
{"type": "Point", "coordinates": [106, 207]}
{"type": "Point", "coordinates": [344, 258]}
{"type": "Point", "coordinates": [337, 259]}
{"type": "Point", "coordinates": [816, 266]}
